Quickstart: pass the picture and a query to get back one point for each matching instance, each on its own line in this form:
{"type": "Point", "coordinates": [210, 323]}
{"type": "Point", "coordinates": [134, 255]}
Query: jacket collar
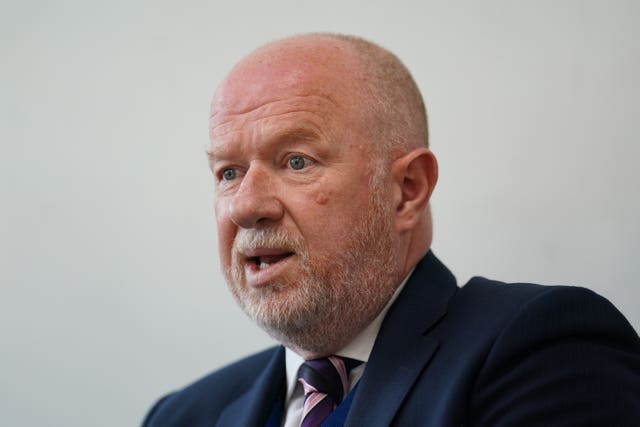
{"type": "Point", "coordinates": [404, 346]}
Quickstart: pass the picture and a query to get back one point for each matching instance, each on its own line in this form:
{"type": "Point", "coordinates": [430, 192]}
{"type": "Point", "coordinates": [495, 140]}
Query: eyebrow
{"type": "Point", "coordinates": [290, 136]}
{"type": "Point", "coordinates": [287, 136]}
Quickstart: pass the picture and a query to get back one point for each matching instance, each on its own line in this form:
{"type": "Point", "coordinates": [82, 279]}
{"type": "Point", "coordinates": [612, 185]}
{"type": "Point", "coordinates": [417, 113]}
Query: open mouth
{"type": "Point", "coordinates": [264, 261]}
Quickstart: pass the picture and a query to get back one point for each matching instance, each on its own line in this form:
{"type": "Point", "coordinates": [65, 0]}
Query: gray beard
{"type": "Point", "coordinates": [334, 298]}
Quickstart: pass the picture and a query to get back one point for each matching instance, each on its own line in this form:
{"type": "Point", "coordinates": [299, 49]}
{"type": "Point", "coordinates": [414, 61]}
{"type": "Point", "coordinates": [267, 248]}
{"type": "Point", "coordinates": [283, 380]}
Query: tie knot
{"type": "Point", "coordinates": [329, 375]}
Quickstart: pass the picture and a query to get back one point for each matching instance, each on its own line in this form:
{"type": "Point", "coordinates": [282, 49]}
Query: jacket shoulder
{"type": "Point", "coordinates": [550, 348]}
{"type": "Point", "coordinates": [566, 309]}
{"type": "Point", "coordinates": [201, 402]}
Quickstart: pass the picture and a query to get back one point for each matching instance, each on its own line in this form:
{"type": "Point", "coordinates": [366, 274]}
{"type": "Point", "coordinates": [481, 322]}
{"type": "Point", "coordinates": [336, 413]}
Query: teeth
{"type": "Point", "coordinates": [263, 265]}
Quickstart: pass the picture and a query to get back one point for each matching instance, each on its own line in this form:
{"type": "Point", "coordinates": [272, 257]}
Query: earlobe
{"type": "Point", "coordinates": [416, 175]}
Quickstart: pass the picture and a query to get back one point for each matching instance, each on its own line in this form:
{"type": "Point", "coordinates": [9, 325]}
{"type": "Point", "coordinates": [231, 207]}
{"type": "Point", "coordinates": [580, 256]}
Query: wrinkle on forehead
{"type": "Point", "coordinates": [262, 103]}
{"type": "Point", "coordinates": [245, 93]}
{"type": "Point", "coordinates": [312, 105]}
{"type": "Point", "coordinates": [299, 127]}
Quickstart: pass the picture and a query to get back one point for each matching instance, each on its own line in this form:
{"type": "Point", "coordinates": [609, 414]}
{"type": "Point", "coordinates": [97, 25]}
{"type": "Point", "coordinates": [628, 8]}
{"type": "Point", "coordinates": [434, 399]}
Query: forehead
{"type": "Point", "coordinates": [305, 73]}
{"type": "Point", "coordinates": [289, 88]}
{"type": "Point", "coordinates": [305, 111]}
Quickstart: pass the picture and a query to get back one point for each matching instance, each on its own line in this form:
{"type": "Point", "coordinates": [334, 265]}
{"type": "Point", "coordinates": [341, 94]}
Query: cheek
{"type": "Point", "coordinates": [225, 237]}
{"type": "Point", "coordinates": [325, 193]}
{"type": "Point", "coordinates": [342, 195]}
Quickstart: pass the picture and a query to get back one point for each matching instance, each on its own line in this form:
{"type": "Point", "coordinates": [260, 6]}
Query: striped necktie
{"type": "Point", "coordinates": [325, 382]}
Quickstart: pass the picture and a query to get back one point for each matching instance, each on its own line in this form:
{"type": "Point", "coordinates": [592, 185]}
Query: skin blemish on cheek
{"type": "Point", "coordinates": [321, 197]}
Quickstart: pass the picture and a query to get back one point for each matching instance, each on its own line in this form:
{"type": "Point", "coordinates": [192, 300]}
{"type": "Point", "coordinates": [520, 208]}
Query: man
{"type": "Point", "coordinates": [323, 177]}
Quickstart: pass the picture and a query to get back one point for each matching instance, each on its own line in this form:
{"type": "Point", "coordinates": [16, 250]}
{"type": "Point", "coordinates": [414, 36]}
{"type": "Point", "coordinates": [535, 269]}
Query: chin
{"type": "Point", "coordinates": [316, 316]}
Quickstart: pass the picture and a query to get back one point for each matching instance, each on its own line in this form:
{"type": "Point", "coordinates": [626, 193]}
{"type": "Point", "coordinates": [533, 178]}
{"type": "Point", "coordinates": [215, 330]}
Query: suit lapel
{"type": "Point", "coordinates": [253, 407]}
{"type": "Point", "coordinates": [404, 345]}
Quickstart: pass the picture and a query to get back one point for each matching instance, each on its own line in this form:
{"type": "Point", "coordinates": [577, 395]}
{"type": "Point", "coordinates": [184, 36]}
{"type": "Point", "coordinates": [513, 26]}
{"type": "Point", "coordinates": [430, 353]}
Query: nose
{"type": "Point", "coordinates": [255, 203]}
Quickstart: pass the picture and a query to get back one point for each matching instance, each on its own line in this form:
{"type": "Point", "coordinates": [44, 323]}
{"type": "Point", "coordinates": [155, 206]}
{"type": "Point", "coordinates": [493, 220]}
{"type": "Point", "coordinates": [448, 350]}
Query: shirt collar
{"type": "Point", "coordinates": [359, 348]}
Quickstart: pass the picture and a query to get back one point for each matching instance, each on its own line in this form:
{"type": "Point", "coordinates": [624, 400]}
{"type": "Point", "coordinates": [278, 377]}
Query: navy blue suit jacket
{"type": "Point", "coordinates": [486, 354]}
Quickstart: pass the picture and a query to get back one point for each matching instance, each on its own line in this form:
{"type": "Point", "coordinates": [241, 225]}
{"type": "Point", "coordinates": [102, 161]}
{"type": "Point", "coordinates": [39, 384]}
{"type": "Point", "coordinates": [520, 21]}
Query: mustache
{"type": "Point", "coordinates": [247, 240]}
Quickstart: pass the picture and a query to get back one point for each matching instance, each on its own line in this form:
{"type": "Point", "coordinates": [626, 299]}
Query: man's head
{"type": "Point", "coordinates": [318, 149]}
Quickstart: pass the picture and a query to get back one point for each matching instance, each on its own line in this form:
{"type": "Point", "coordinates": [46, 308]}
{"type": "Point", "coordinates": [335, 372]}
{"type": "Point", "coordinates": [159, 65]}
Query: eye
{"type": "Point", "coordinates": [229, 174]}
{"type": "Point", "coordinates": [297, 162]}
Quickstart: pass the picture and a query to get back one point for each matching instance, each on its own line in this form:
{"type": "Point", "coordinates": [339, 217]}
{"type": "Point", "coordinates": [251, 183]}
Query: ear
{"type": "Point", "coordinates": [415, 175]}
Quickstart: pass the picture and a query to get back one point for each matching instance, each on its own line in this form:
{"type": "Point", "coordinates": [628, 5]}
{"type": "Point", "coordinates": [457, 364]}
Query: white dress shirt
{"type": "Point", "coordinates": [359, 349]}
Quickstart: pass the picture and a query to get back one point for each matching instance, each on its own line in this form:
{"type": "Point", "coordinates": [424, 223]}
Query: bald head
{"type": "Point", "coordinates": [393, 101]}
{"type": "Point", "coordinates": [368, 82]}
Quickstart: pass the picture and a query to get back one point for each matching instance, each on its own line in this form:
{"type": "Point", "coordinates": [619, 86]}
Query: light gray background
{"type": "Point", "coordinates": [110, 291]}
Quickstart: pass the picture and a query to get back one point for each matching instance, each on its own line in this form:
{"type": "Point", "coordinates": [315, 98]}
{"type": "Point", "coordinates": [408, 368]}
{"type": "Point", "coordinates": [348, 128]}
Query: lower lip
{"type": "Point", "coordinates": [258, 278]}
